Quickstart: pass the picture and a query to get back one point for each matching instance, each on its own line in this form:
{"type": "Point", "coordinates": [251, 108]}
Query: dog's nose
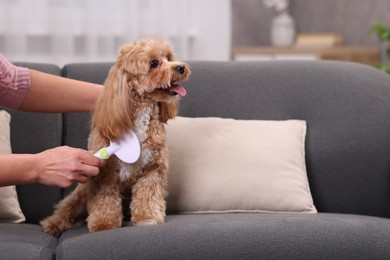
{"type": "Point", "coordinates": [180, 69]}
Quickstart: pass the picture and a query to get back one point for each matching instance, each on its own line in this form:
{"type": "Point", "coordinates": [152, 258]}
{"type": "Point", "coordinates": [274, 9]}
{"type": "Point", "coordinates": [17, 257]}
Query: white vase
{"type": "Point", "coordinates": [283, 30]}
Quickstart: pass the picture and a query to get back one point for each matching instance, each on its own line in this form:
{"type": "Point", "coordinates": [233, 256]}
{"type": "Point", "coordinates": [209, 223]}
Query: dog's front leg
{"type": "Point", "coordinates": [69, 213]}
{"type": "Point", "coordinates": [104, 201]}
{"type": "Point", "coordinates": [148, 204]}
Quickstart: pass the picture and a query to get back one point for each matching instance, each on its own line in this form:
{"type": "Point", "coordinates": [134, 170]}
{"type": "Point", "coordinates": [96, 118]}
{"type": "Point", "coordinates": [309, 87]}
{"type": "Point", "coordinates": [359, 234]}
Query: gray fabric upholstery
{"type": "Point", "coordinates": [346, 106]}
{"type": "Point", "coordinates": [339, 101]}
{"type": "Point", "coordinates": [77, 124]}
{"type": "Point", "coordinates": [347, 137]}
{"type": "Point", "coordinates": [25, 241]}
{"type": "Point", "coordinates": [236, 236]}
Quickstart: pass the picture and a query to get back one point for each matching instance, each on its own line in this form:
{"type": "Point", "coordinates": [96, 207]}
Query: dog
{"type": "Point", "coordinates": [141, 94]}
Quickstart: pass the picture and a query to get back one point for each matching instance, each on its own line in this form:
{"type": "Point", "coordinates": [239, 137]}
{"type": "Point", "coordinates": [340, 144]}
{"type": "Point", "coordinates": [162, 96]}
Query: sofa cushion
{"type": "Point", "coordinates": [25, 241]}
{"type": "Point", "coordinates": [9, 205]}
{"type": "Point", "coordinates": [236, 236]}
{"type": "Point", "coordinates": [227, 165]}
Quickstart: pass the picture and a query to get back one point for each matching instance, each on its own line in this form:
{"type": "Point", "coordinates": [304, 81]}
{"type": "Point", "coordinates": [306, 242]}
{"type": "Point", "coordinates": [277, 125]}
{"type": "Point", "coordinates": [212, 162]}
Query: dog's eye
{"type": "Point", "coordinates": [154, 64]}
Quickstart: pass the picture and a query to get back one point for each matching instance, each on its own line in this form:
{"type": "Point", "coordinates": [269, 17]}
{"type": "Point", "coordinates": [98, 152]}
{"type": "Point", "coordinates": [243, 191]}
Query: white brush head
{"type": "Point", "coordinates": [127, 149]}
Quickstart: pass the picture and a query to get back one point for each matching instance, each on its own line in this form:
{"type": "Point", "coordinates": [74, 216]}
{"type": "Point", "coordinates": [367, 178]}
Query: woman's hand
{"type": "Point", "coordinates": [64, 165]}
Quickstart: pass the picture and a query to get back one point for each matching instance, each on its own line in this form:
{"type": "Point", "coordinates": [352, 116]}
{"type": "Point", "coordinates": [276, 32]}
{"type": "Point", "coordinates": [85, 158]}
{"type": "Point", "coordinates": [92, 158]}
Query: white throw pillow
{"type": "Point", "coordinates": [227, 165]}
{"type": "Point", "coordinates": [10, 211]}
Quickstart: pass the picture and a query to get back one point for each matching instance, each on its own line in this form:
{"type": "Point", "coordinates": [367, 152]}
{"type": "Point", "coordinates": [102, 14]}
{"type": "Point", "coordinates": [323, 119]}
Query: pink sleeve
{"type": "Point", "coordinates": [14, 84]}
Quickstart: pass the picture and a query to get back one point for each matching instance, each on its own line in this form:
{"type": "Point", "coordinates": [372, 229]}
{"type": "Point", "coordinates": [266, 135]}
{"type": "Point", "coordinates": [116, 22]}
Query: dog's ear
{"type": "Point", "coordinates": [112, 114]}
{"type": "Point", "coordinates": [167, 111]}
{"type": "Point", "coordinates": [134, 59]}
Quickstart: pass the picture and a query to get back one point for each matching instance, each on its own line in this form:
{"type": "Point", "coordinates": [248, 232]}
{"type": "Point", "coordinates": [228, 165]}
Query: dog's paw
{"type": "Point", "coordinates": [103, 223]}
{"type": "Point", "coordinates": [146, 221]}
{"type": "Point", "coordinates": [52, 227]}
{"type": "Point", "coordinates": [149, 222]}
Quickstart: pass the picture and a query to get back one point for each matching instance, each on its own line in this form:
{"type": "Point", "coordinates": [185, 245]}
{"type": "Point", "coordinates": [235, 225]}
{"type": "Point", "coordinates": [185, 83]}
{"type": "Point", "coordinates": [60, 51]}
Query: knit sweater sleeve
{"type": "Point", "coordinates": [14, 84]}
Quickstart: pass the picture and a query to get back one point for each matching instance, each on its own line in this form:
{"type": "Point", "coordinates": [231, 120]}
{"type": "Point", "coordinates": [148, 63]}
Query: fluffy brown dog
{"type": "Point", "coordinates": [140, 93]}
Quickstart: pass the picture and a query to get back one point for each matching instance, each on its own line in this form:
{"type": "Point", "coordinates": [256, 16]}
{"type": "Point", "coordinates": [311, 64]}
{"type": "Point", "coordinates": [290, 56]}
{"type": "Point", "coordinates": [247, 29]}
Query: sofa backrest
{"type": "Point", "coordinates": [346, 106]}
{"type": "Point", "coordinates": [347, 109]}
{"type": "Point", "coordinates": [77, 125]}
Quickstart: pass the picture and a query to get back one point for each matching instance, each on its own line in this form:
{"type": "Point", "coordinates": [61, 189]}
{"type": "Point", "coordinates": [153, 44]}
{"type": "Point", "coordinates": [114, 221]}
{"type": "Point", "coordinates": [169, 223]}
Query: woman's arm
{"type": "Point", "coordinates": [49, 93]}
{"type": "Point", "coordinates": [35, 91]}
{"type": "Point", "coordinates": [54, 167]}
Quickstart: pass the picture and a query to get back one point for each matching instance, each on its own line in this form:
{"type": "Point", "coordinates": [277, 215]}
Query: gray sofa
{"type": "Point", "coordinates": [347, 109]}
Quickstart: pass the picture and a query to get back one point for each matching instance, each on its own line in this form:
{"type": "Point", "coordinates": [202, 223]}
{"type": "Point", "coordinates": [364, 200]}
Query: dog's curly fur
{"type": "Point", "coordinates": [137, 95]}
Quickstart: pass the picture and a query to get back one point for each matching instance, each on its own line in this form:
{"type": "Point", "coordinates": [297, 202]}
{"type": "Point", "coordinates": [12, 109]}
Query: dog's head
{"type": "Point", "coordinates": [147, 70]}
{"type": "Point", "coordinates": [150, 63]}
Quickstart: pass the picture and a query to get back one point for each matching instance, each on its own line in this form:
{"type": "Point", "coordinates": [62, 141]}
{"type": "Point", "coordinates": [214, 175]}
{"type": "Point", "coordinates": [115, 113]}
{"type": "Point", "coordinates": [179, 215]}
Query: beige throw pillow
{"type": "Point", "coordinates": [10, 211]}
{"type": "Point", "coordinates": [227, 165]}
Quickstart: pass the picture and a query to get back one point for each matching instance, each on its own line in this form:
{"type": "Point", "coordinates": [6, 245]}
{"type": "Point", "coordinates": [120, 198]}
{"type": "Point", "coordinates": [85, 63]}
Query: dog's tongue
{"type": "Point", "coordinates": [178, 89]}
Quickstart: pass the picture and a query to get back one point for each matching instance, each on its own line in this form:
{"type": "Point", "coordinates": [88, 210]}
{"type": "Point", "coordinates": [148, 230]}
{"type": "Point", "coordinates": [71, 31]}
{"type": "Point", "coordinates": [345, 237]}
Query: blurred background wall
{"type": "Point", "coordinates": [63, 31]}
